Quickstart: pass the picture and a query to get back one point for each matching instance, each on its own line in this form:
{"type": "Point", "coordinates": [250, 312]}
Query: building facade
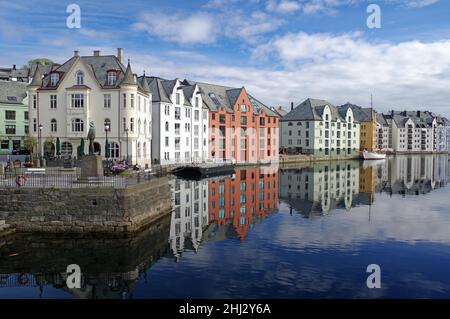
{"type": "Point", "coordinates": [13, 116]}
{"type": "Point", "coordinates": [242, 129]}
{"type": "Point", "coordinates": [413, 132]}
{"type": "Point", "coordinates": [93, 90]}
{"type": "Point", "coordinates": [316, 127]}
{"type": "Point", "coordinates": [180, 122]}
{"type": "Point", "coordinates": [367, 118]}
{"type": "Point", "coordinates": [383, 133]}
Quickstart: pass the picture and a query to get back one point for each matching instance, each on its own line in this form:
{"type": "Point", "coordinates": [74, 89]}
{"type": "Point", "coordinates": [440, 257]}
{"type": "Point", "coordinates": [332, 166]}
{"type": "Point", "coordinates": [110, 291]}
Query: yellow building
{"type": "Point", "coordinates": [368, 129]}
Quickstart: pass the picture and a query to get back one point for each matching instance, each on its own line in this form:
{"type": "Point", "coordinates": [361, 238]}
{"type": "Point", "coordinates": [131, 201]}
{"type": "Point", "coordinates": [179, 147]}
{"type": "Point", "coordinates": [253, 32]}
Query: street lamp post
{"type": "Point", "coordinates": [126, 132]}
{"type": "Point", "coordinates": [107, 150]}
{"type": "Point", "coordinates": [40, 143]}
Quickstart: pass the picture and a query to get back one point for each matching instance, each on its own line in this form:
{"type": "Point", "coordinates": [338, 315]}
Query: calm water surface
{"type": "Point", "coordinates": [305, 232]}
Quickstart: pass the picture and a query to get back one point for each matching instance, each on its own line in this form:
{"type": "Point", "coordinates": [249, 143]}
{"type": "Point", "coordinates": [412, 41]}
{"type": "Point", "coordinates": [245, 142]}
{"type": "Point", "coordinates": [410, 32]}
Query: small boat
{"type": "Point", "coordinates": [373, 156]}
{"type": "Point", "coordinates": [205, 170]}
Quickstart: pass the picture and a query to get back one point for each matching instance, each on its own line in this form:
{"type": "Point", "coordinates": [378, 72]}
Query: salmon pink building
{"type": "Point", "coordinates": [242, 128]}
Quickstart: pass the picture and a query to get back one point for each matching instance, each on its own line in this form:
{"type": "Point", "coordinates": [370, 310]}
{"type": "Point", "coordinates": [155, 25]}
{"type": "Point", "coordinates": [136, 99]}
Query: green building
{"type": "Point", "coordinates": [13, 116]}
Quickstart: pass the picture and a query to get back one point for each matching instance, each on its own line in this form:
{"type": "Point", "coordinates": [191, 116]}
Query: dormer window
{"type": "Point", "coordinates": [112, 77]}
{"type": "Point", "coordinates": [54, 78]}
{"type": "Point", "coordinates": [80, 78]}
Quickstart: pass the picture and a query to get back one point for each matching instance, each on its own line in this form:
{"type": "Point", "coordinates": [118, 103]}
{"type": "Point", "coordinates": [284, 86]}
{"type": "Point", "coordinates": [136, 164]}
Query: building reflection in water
{"type": "Point", "coordinates": [319, 189]}
{"type": "Point", "coordinates": [221, 208]}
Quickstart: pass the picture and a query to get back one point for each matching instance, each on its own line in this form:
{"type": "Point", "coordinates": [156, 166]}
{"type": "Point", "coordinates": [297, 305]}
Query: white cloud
{"type": "Point", "coordinates": [198, 28]}
{"type": "Point", "coordinates": [283, 6]}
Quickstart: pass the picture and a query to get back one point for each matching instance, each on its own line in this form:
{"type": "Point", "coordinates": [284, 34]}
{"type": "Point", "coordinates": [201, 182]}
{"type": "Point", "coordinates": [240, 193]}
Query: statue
{"type": "Point", "coordinates": [91, 137]}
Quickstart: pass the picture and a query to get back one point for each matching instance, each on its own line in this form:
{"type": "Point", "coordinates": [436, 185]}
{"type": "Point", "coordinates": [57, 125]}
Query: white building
{"type": "Point", "coordinates": [189, 215]}
{"type": "Point", "coordinates": [180, 122]}
{"type": "Point", "coordinates": [316, 127]}
{"type": "Point", "coordinates": [413, 132]}
{"type": "Point", "coordinates": [94, 89]}
{"type": "Point", "coordinates": [383, 133]}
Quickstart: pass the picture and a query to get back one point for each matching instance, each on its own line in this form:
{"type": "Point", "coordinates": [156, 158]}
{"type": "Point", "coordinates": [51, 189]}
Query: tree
{"type": "Point", "coordinates": [41, 61]}
{"type": "Point", "coordinates": [29, 143]}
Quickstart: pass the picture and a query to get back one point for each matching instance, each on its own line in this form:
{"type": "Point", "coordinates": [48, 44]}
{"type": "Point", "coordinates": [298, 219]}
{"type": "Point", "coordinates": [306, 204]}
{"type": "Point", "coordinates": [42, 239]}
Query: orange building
{"type": "Point", "coordinates": [252, 193]}
{"type": "Point", "coordinates": [241, 127]}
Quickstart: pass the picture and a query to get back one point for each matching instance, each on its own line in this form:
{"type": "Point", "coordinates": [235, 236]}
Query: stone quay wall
{"type": "Point", "coordinates": [86, 210]}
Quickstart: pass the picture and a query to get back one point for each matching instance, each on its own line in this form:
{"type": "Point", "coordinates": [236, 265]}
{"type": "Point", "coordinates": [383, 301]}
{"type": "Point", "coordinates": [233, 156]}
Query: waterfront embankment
{"type": "Point", "coordinates": [86, 209]}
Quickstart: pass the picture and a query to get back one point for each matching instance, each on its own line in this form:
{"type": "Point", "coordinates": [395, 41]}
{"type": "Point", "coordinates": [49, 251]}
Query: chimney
{"type": "Point", "coordinates": [119, 54]}
{"type": "Point", "coordinates": [96, 52]}
{"type": "Point", "coordinates": [292, 106]}
{"type": "Point", "coordinates": [76, 53]}
{"type": "Point", "coordinates": [14, 66]}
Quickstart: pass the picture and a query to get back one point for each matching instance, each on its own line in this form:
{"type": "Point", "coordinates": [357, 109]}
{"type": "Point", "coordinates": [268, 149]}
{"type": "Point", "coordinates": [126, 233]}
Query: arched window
{"type": "Point", "coordinates": [66, 149]}
{"type": "Point", "coordinates": [139, 150]}
{"type": "Point", "coordinates": [114, 150]}
{"type": "Point", "coordinates": [80, 78]}
{"type": "Point", "coordinates": [290, 124]}
{"type": "Point", "coordinates": [77, 125]}
{"type": "Point", "coordinates": [107, 124]}
{"type": "Point", "coordinates": [145, 150]}
{"type": "Point", "coordinates": [167, 126]}
{"type": "Point", "coordinates": [53, 126]}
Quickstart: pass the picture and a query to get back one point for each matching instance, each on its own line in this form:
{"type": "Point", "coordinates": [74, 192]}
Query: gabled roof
{"type": "Point", "coordinates": [37, 78]}
{"type": "Point", "coordinates": [12, 92]}
{"type": "Point", "coordinates": [359, 113]}
{"type": "Point", "coordinates": [311, 110]}
{"type": "Point", "coordinates": [381, 119]}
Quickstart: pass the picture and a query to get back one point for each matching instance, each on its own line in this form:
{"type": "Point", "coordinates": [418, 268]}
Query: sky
{"type": "Point", "coordinates": [282, 51]}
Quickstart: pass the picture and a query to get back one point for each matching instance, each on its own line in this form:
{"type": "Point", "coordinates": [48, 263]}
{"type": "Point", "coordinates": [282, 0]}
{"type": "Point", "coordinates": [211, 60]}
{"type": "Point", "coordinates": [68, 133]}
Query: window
{"type": "Point", "coordinates": [53, 101]}
{"type": "Point", "coordinates": [167, 126]}
{"type": "Point", "coordinates": [66, 149]}
{"type": "Point", "coordinates": [139, 150]}
{"type": "Point", "coordinates": [54, 78]}
{"type": "Point", "coordinates": [139, 103]}
{"type": "Point", "coordinates": [196, 115]}
{"type": "Point", "coordinates": [243, 108]}
{"type": "Point", "coordinates": [132, 124]}
{"type": "Point", "coordinates": [34, 101]}
{"type": "Point", "coordinates": [107, 101]}
{"type": "Point", "coordinates": [188, 113]}
{"type": "Point", "coordinates": [132, 100]}
{"type": "Point", "coordinates": [112, 78]}
{"type": "Point", "coordinates": [10, 115]}
{"type": "Point", "coordinates": [124, 96]}
{"type": "Point", "coordinates": [80, 78]}
{"type": "Point", "coordinates": [114, 150]}
{"type": "Point", "coordinates": [139, 127]}
{"type": "Point", "coordinates": [177, 113]}
{"type": "Point", "coordinates": [77, 125]}
{"type": "Point", "coordinates": [177, 128]}
{"type": "Point", "coordinates": [167, 141]}
{"type": "Point", "coordinates": [34, 125]}
{"type": "Point", "coordinates": [124, 123]}
{"type": "Point", "coordinates": [77, 100]}
{"type": "Point", "coordinates": [145, 150]}
{"type": "Point", "coordinates": [53, 126]}
{"type": "Point", "coordinates": [10, 129]}
{"type": "Point", "coordinates": [27, 129]}
{"type": "Point", "coordinates": [243, 120]}
{"type": "Point", "coordinates": [145, 127]}
{"type": "Point", "coordinates": [167, 109]}
{"type": "Point", "coordinates": [205, 115]}
{"type": "Point", "coordinates": [5, 145]}
{"type": "Point", "coordinates": [178, 98]}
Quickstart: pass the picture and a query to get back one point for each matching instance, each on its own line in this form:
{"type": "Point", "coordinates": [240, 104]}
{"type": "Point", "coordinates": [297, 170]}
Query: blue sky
{"type": "Point", "coordinates": [281, 50]}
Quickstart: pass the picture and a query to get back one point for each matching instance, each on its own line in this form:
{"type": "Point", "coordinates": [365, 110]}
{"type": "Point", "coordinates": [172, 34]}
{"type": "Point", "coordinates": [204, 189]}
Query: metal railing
{"type": "Point", "coordinates": [74, 180]}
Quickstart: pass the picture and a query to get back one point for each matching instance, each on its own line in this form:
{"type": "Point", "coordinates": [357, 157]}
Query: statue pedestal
{"type": "Point", "coordinates": [91, 166]}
